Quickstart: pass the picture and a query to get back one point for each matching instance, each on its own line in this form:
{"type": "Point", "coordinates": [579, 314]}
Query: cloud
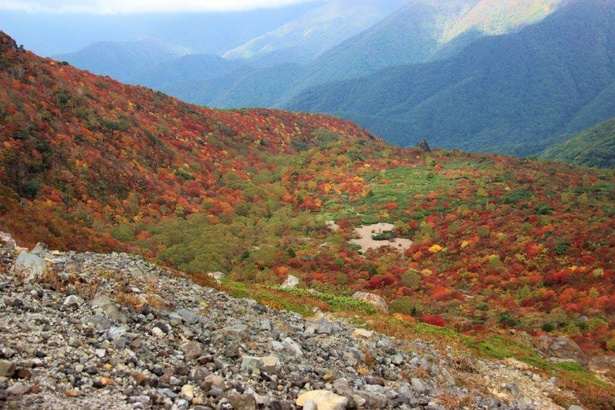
{"type": "Point", "coordinates": [140, 6]}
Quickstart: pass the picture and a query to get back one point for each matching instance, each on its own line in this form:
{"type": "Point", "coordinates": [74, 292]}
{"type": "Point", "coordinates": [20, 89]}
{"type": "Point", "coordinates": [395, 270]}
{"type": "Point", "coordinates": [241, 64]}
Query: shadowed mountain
{"type": "Point", "coordinates": [497, 93]}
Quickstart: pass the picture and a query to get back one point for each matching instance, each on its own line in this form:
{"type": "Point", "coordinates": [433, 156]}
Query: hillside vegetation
{"type": "Point", "coordinates": [594, 147]}
{"type": "Point", "coordinates": [499, 243]}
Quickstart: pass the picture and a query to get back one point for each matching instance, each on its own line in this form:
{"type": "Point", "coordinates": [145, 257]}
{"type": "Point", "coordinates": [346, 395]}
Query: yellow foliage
{"type": "Point", "coordinates": [435, 248]}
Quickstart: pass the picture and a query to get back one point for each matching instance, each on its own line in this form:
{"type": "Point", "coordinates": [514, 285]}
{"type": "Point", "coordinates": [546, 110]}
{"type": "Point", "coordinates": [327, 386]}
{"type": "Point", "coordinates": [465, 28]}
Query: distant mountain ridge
{"type": "Point", "coordinates": [497, 93]}
{"type": "Point", "coordinates": [303, 39]}
{"type": "Point", "coordinates": [419, 31]}
{"type": "Point", "coordinates": [121, 60]}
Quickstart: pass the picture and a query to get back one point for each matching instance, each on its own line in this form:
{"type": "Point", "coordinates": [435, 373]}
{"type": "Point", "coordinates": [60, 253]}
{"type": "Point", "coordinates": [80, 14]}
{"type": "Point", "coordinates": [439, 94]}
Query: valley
{"type": "Point", "coordinates": [480, 279]}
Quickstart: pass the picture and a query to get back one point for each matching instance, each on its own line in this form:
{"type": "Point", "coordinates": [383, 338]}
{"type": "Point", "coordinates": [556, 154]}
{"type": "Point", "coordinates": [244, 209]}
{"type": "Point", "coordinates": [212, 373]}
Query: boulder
{"type": "Point", "coordinates": [291, 282]}
{"type": "Point", "coordinates": [373, 300]}
{"type": "Point", "coordinates": [561, 347]}
{"type": "Point", "coordinates": [29, 266]}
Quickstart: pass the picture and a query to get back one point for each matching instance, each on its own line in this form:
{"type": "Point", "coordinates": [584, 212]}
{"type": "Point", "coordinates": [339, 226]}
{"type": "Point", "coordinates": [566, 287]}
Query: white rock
{"type": "Point", "coordinates": [100, 353]}
{"type": "Point", "coordinates": [156, 331]}
{"type": "Point", "coordinates": [73, 300]}
{"type": "Point", "coordinates": [290, 282]}
{"type": "Point", "coordinates": [323, 399]}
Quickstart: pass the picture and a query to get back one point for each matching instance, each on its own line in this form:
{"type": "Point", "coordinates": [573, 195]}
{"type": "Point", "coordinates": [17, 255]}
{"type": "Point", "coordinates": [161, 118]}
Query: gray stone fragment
{"type": "Point", "coordinates": [100, 322]}
{"type": "Point", "coordinates": [18, 389]}
{"type": "Point", "coordinates": [292, 347]}
{"type": "Point", "coordinates": [29, 266]}
{"type": "Point", "coordinates": [188, 316]}
{"type": "Point", "coordinates": [417, 385]}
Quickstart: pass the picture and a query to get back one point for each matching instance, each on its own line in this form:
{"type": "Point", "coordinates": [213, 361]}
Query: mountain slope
{"type": "Point", "coordinates": [192, 67]}
{"type": "Point", "coordinates": [89, 137]}
{"type": "Point", "coordinates": [424, 30]}
{"type": "Point", "coordinates": [495, 94]}
{"type": "Point", "coordinates": [594, 147]}
{"type": "Point", "coordinates": [495, 243]}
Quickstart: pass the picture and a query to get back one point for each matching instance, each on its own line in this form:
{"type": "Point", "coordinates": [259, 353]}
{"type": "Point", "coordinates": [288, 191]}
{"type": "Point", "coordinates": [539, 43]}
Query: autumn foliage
{"type": "Point", "coordinates": [87, 163]}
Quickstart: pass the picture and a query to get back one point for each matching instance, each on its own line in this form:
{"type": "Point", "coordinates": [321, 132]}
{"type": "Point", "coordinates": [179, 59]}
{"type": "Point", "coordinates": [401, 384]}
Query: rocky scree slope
{"type": "Point", "coordinates": [86, 330]}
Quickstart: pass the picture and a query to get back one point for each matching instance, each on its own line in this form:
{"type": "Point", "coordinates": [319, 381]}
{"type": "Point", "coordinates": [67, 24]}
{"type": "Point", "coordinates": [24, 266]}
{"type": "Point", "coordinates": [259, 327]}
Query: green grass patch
{"type": "Point", "coordinates": [337, 303]}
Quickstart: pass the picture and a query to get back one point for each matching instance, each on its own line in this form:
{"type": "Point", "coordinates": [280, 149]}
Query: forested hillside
{"type": "Point", "coordinates": [498, 243]}
{"type": "Point", "coordinates": [497, 94]}
{"type": "Point", "coordinates": [594, 147]}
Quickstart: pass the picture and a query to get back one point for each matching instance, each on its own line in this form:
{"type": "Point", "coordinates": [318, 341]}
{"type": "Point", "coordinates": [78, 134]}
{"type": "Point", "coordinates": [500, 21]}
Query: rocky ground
{"type": "Point", "coordinates": [93, 331]}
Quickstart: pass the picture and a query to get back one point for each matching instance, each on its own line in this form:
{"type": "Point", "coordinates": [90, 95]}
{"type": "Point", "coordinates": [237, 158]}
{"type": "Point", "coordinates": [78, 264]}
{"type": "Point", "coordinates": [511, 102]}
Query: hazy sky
{"type": "Point", "coordinates": [139, 6]}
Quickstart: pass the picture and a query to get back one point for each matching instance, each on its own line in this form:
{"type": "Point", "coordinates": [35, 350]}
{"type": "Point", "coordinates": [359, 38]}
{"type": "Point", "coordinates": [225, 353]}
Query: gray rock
{"type": "Point", "coordinates": [188, 316]}
{"type": "Point", "coordinates": [417, 385]}
{"type": "Point", "coordinates": [292, 347]}
{"type": "Point", "coordinates": [397, 359]}
{"type": "Point", "coordinates": [320, 326]}
{"type": "Point", "coordinates": [29, 266]}
{"type": "Point", "coordinates": [18, 389]}
{"type": "Point", "coordinates": [575, 407]}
